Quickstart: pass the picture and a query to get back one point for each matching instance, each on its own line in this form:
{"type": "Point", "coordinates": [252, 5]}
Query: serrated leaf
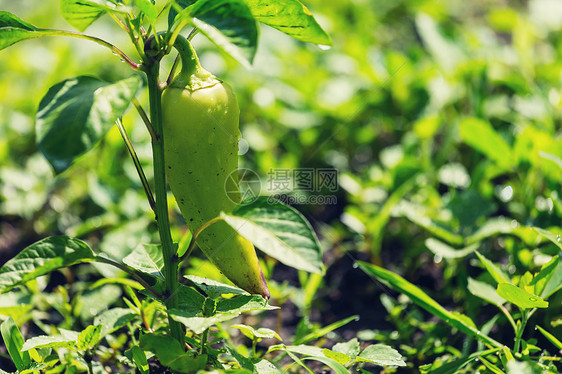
{"type": "Point", "coordinates": [82, 13]}
{"type": "Point", "coordinates": [146, 258]}
{"type": "Point", "coordinates": [42, 258]}
{"type": "Point", "coordinates": [382, 355]}
{"type": "Point", "coordinates": [520, 297]}
{"type": "Point", "coordinates": [13, 341]}
{"type": "Point", "coordinates": [423, 300]}
{"type": "Point", "coordinates": [75, 114]}
{"type": "Point", "coordinates": [484, 291]}
{"type": "Point", "coordinates": [481, 136]}
{"type": "Point", "coordinates": [496, 273]}
{"type": "Point", "coordinates": [113, 319]}
{"type": "Point", "coordinates": [290, 17]}
{"type": "Point", "coordinates": [279, 231]}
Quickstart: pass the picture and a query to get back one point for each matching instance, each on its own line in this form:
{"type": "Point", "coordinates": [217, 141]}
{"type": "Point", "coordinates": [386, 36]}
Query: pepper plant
{"type": "Point", "coordinates": [75, 114]}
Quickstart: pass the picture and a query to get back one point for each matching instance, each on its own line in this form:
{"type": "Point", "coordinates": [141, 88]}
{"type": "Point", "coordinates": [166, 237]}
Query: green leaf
{"type": "Point", "coordinates": [261, 333]}
{"type": "Point", "coordinates": [541, 279]}
{"type": "Point", "coordinates": [446, 251]}
{"type": "Point", "coordinates": [265, 367]}
{"type": "Point", "coordinates": [49, 341]}
{"type": "Point", "coordinates": [493, 368]}
{"type": "Point", "coordinates": [334, 365]}
{"type": "Point", "coordinates": [170, 353]}
{"type": "Point", "coordinates": [148, 9]}
{"type": "Point", "coordinates": [199, 324]}
{"type": "Point", "coordinates": [457, 364]}
{"type": "Point", "coordinates": [214, 288]}
{"type": "Point", "coordinates": [88, 338]}
{"type": "Point", "coordinates": [113, 319]}
{"type": "Point", "coordinates": [290, 17]}
{"type": "Point", "coordinates": [556, 239]}
{"type": "Point", "coordinates": [7, 19]}
{"type": "Point", "coordinates": [423, 300]}
{"type": "Point", "coordinates": [13, 341]}
{"type": "Point", "coordinates": [557, 343]}
{"type": "Point", "coordinates": [245, 362]}
{"type": "Point", "coordinates": [190, 300]}
{"type": "Point", "coordinates": [243, 303]}
{"type": "Point", "coordinates": [137, 355]}
{"type": "Point", "coordinates": [227, 23]}
{"type": "Point", "coordinates": [496, 273]}
{"type": "Point", "coordinates": [174, 12]}
{"type": "Point", "coordinates": [82, 13]}
{"type": "Point", "coordinates": [280, 231]}
{"type": "Point", "coordinates": [484, 291]}
{"type": "Point", "coordinates": [481, 136]}
{"type": "Point", "coordinates": [350, 348]}
{"type": "Point", "coordinates": [520, 297]}
{"type": "Point", "coordinates": [76, 113]}
{"type": "Point", "coordinates": [42, 258]}
{"type": "Point", "coordinates": [382, 355]}
{"type": "Point", "coordinates": [523, 367]}
{"type": "Point", "coordinates": [94, 301]}
{"type": "Point", "coordinates": [342, 358]}
{"type": "Point", "coordinates": [148, 259]}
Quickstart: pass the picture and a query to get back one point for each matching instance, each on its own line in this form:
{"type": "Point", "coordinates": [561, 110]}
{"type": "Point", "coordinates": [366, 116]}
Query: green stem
{"type": "Point", "coordinates": [170, 260]}
{"type": "Point", "coordinates": [195, 235]}
{"type": "Point", "coordinates": [137, 163]}
{"type": "Point", "coordinates": [132, 273]}
{"type": "Point", "coordinates": [519, 333]}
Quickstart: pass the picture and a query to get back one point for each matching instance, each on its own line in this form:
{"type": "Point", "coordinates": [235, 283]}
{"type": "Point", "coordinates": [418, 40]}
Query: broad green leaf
{"type": "Point", "coordinates": [350, 348]}
{"type": "Point", "coordinates": [170, 353]}
{"type": "Point", "coordinates": [189, 300]}
{"type": "Point", "coordinates": [42, 258]}
{"type": "Point", "coordinates": [82, 13]}
{"type": "Point", "coordinates": [13, 341]}
{"type": "Point", "coordinates": [290, 17]}
{"type": "Point", "coordinates": [279, 231]}
{"type": "Point", "coordinates": [16, 305]}
{"type": "Point", "coordinates": [113, 319]}
{"type": "Point", "coordinates": [227, 23]}
{"type": "Point", "coordinates": [148, 259]}
{"type": "Point", "coordinates": [541, 279]}
{"type": "Point", "coordinates": [243, 303]}
{"type": "Point", "coordinates": [137, 355]}
{"type": "Point", "coordinates": [261, 333]}
{"type": "Point", "coordinates": [245, 362]}
{"type": "Point", "coordinates": [214, 288]}
{"type": "Point", "coordinates": [76, 113]}
{"type": "Point", "coordinates": [174, 9]}
{"type": "Point", "coordinates": [308, 350]}
{"type": "Point", "coordinates": [555, 282]}
{"type": "Point", "coordinates": [481, 136]}
{"type": "Point", "coordinates": [496, 273]}
{"type": "Point", "coordinates": [423, 300]}
{"type": "Point", "coordinates": [556, 239]}
{"type": "Point", "coordinates": [520, 297]}
{"type": "Point", "coordinates": [557, 343]}
{"type": "Point", "coordinates": [332, 364]}
{"type": "Point", "coordinates": [484, 291]}
{"type": "Point", "coordinates": [382, 355]}
{"type": "Point", "coordinates": [446, 251]}
{"type": "Point", "coordinates": [49, 341]}
{"type": "Point", "coordinates": [318, 333]}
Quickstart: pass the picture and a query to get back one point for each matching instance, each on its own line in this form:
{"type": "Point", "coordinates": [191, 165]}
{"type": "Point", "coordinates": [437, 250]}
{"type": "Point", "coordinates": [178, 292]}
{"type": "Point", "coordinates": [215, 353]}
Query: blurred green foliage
{"type": "Point", "coordinates": [440, 116]}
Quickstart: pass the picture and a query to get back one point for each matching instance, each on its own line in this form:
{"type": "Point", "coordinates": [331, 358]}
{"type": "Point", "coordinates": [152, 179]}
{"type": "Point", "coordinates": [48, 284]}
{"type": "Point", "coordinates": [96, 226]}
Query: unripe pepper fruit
{"type": "Point", "coordinates": [200, 130]}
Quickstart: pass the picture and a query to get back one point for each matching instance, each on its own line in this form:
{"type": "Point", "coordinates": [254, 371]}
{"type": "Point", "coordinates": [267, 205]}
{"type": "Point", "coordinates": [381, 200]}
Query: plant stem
{"type": "Point", "coordinates": [132, 273]}
{"type": "Point", "coordinates": [137, 163]}
{"type": "Point", "coordinates": [170, 259]}
{"type": "Point", "coordinates": [519, 333]}
{"type": "Point", "coordinates": [144, 117]}
{"type": "Point", "coordinates": [195, 235]}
